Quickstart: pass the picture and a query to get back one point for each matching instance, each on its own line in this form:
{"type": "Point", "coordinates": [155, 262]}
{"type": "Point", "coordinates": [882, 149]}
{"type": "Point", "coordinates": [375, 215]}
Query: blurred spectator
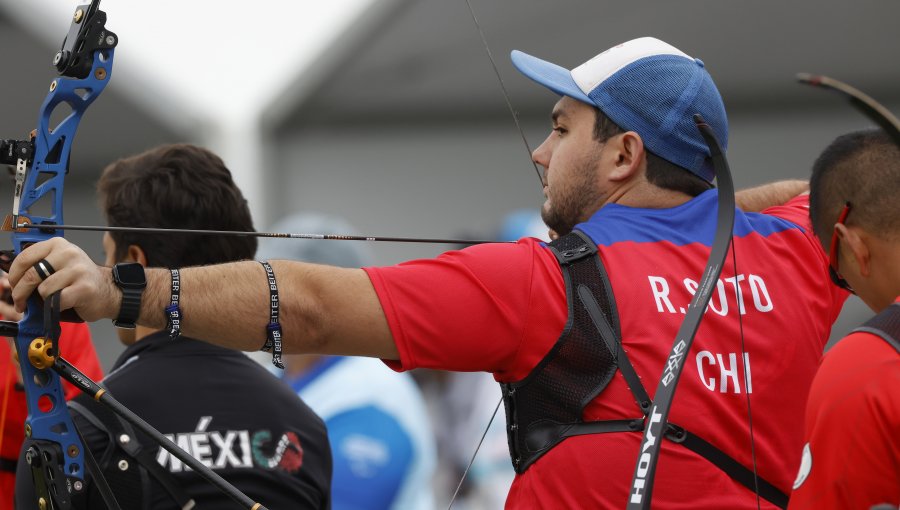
{"type": "Point", "coordinates": [381, 439]}
{"type": "Point", "coordinates": [523, 223]}
{"type": "Point", "coordinates": [463, 403]}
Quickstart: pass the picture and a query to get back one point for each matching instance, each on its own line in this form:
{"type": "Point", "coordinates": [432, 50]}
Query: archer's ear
{"type": "Point", "coordinates": [856, 245]}
{"type": "Point", "coordinates": [630, 156]}
{"type": "Point", "coordinates": [136, 254]}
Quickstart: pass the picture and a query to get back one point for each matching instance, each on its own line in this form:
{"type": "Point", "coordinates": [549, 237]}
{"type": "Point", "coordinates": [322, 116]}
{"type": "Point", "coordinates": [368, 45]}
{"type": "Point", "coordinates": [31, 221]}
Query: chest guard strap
{"type": "Point", "coordinates": [885, 325]}
{"type": "Point", "coordinates": [542, 409]}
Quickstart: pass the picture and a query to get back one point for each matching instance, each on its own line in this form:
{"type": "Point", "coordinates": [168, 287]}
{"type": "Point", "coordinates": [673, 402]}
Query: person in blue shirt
{"type": "Point", "coordinates": [381, 438]}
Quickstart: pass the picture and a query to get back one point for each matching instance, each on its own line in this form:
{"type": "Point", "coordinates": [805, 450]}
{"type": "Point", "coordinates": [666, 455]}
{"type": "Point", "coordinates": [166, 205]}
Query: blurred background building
{"type": "Point", "coordinates": [388, 112]}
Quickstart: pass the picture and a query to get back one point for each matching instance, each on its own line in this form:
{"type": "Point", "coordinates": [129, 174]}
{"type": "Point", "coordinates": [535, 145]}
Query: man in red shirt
{"type": "Point", "coordinates": [76, 346]}
{"type": "Point", "coordinates": [851, 458]}
{"type": "Point", "coordinates": [626, 172]}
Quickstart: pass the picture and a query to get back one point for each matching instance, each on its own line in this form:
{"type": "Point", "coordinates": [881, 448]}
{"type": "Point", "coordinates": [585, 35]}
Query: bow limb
{"type": "Point", "coordinates": [657, 419]}
{"type": "Point", "coordinates": [869, 107]}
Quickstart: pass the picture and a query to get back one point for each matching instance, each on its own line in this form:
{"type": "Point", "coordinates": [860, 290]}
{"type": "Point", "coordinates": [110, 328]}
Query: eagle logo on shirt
{"type": "Point", "coordinates": [805, 467]}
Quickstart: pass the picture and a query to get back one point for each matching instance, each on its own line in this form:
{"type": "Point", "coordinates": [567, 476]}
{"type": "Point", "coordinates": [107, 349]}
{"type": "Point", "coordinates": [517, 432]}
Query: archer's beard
{"type": "Point", "coordinates": [557, 221]}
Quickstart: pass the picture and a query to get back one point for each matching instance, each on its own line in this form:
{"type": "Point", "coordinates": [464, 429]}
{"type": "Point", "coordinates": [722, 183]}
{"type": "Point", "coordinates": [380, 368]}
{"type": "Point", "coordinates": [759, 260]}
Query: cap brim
{"type": "Point", "coordinates": [552, 76]}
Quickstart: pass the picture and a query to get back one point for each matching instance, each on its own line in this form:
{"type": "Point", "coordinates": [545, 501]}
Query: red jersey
{"type": "Point", "coordinates": [501, 307]}
{"type": "Point", "coordinates": [76, 347]}
{"type": "Point", "coordinates": [852, 454]}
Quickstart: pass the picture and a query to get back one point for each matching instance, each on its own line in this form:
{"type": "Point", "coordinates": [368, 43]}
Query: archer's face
{"type": "Point", "coordinates": [571, 159]}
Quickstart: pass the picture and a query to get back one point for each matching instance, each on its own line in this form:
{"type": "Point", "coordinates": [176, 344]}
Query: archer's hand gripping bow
{"type": "Point", "coordinates": [53, 448]}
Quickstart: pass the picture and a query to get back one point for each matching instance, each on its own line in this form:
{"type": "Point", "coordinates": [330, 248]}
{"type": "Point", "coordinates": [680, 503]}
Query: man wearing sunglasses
{"type": "Point", "coordinates": [852, 454]}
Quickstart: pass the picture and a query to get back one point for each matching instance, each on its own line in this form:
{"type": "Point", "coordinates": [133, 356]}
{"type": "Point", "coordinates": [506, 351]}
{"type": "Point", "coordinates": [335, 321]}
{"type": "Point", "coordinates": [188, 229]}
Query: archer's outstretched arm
{"type": "Point", "coordinates": [769, 195]}
{"type": "Point", "coordinates": [323, 309]}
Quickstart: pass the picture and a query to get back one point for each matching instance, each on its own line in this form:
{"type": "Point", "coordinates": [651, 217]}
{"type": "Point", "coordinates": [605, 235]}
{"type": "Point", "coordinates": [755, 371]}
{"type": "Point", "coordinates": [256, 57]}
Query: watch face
{"type": "Point", "coordinates": [130, 275]}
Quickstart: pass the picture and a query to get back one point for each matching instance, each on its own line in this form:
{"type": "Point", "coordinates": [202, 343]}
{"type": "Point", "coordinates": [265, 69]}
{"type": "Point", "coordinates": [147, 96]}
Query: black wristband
{"type": "Point", "coordinates": [129, 277]}
{"type": "Point", "coordinates": [273, 330]}
{"type": "Point", "coordinates": [173, 311]}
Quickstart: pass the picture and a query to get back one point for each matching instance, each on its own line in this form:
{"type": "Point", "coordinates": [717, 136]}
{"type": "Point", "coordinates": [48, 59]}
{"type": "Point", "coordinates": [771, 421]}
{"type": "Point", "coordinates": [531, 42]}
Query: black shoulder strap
{"type": "Point", "coordinates": [581, 246]}
{"type": "Point", "coordinates": [106, 493]}
{"type": "Point", "coordinates": [8, 465]}
{"type": "Point", "coordinates": [572, 247]}
{"type": "Point", "coordinates": [734, 469]}
{"type": "Point", "coordinates": [885, 325]}
{"type": "Point", "coordinates": [122, 436]}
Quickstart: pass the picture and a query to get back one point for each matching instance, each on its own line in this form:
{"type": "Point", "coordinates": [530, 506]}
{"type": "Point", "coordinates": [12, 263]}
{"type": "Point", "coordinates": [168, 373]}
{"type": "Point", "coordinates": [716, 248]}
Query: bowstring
{"type": "Point", "coordinates": [515, 116]}
{"type": "Point", "coordinates": [740, 298]}
{"type": "Point", "coordinates": [509, 105]}
{"type": "Point", "coordinates": [472, 460]}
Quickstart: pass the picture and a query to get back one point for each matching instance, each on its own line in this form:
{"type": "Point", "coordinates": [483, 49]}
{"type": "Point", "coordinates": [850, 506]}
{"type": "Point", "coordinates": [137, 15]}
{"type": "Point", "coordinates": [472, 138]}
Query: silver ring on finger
{"type": "Point", "coordinates": [43, 268]}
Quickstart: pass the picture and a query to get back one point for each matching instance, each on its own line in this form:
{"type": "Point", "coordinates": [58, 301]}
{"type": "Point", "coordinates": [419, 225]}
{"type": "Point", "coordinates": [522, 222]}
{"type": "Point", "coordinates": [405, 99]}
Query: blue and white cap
{"type": "Point", "coordinates": [647, 86]}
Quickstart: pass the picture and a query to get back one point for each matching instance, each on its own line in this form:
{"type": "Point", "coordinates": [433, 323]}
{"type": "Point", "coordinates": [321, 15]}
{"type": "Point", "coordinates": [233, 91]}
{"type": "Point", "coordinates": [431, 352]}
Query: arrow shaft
{"type": "Point", "coordinates": [281, 235]}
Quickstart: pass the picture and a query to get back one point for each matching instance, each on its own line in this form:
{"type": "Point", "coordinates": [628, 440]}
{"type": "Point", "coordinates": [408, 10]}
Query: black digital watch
{"type": "Point", "coordinates": [129, 277]}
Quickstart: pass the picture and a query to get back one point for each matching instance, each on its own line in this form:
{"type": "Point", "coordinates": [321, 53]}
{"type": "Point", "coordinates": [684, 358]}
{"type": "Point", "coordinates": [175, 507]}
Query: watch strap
{"type": "Point", "coordinates": [132, 291]}
{"type": "Point", "coordinates": [130, 308]}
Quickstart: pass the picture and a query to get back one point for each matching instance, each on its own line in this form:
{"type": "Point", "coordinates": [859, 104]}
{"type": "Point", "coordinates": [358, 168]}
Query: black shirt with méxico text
{"type": "Point", "coordinates": [225, 410]}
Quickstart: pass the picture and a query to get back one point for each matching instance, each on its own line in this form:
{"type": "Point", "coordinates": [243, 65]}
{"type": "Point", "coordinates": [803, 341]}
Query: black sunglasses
{"type": "Point", "coordinates": [833, 253]}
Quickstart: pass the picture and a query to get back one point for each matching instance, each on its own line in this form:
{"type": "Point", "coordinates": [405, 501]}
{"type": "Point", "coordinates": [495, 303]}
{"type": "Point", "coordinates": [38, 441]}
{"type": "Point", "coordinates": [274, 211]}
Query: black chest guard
{"type": "Point", "coordinates": [546, 407]}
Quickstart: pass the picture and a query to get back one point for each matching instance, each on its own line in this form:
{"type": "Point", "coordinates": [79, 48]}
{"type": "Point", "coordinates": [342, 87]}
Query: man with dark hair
{"type": "Point", "coordinates": [219, 405]}
{"type": "Point", "coordinates": [576, 397]}
{"type": "Point", "coordinates": [175, 186]}
{"type": "Point", "coordinates": [851, 458]}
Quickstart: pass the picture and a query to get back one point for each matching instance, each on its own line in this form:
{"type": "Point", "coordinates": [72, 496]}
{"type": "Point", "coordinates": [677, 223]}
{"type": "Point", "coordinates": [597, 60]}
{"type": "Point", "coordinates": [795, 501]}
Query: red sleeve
{"type": "Point", "coordinates": [852, 419]}
{"type": "Point", "coordinates": [77, 348]}
{"type": "Point", "coordinates": [473, 309]}
{"type": "Point", "coordinates": [796, 211]}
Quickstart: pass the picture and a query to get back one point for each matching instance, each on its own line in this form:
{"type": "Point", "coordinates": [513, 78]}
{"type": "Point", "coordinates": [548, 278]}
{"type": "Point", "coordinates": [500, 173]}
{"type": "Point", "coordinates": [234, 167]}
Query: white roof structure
{"type": "Point", "coordinates": [209, 69]}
